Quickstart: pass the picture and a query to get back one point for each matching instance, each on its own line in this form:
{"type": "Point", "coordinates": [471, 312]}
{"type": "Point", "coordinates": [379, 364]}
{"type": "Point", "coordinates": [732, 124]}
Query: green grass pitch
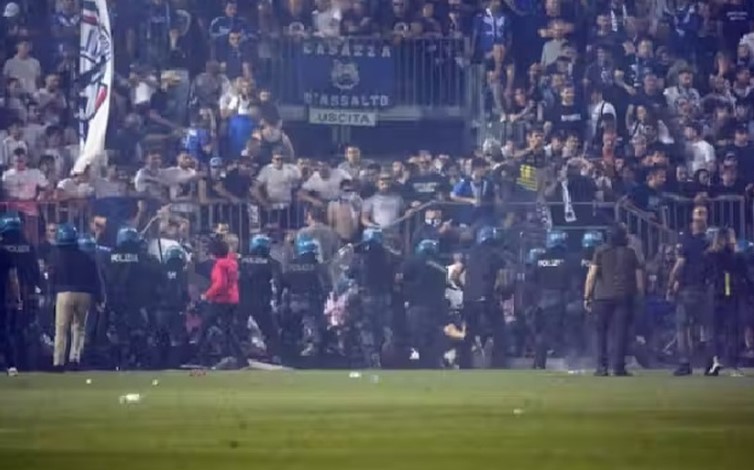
{"type": "Point", "coordinates": [512, 420]}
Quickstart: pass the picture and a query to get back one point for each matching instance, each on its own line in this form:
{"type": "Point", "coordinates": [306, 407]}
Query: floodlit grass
{"type": "Point", "coordinates": [405, 420]}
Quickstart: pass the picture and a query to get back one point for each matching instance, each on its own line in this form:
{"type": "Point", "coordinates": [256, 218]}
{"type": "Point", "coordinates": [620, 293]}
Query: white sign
{"type": "Point", "coordinates": [96, 76]}
{"type": "Point", "coordinates": [342, 117]}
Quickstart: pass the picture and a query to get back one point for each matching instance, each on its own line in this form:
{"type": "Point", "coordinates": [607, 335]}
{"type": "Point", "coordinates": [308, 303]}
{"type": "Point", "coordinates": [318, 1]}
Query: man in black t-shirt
{"type": "Point", "coordinates": [7, 315]}
{"type": "Point", "coordinates": [735, 21]}
{"type": "Point", "coordinates": [690, 283]}
{"type": "Point", "coordinates": [568, 116]}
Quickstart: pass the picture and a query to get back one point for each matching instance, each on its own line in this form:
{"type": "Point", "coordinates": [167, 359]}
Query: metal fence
{"type": "Point", "coordinates": [526, 221]}
{"type": "Point", "coordinates": [426, 71]}
{"type": "Point", "coordinates": [730, 211]}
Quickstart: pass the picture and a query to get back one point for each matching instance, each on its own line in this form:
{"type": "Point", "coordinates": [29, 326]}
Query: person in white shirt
{"type": "Point", "coordinates": [148, 180]}
{"type": "Point", "coordinates": [21, 183]}
{"type": "Point", "coordinates": [56, 148]}
{"type": "Point", "coordinates": [13, 142]}
{"type": "Point", "coordinates": [182, 181]}
{"type": "Point", "coordinates": [275, 183]}
{"type": "Point", "coordinates": [701, 152]}
{"type": "Point", "coordinates": [323, 185]}
{"type": "Point", "coordinates": [111, 185]}
{"type": "Point", "coordinates": [75, 187]}
{"type": "Point", "coordinates": [24, 67]}
{"type": "Point", "coordinates": [326, 19]}
{"type": "Point", "coordinates": [34, 132]}
{"type": "Point", "coordinates": [238, 100]}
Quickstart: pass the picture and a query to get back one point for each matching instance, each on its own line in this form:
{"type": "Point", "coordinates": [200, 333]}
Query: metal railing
{"type": "Point", "coordinates": [430, 72]}
{"type": "Point", "coordinates": [652, 234]}
{"type": "Point", "coordinates": [527, 219]}
{"type": "Point", "coordinates": [730, 211]}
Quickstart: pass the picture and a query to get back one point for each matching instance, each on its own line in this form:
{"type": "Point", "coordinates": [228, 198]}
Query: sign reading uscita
{"type": "Point", "coordinates": [340, 117]}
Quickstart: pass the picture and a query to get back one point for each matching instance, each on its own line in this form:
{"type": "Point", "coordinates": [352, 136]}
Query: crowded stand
{"type": "Point", "coordinates": [371, 166]}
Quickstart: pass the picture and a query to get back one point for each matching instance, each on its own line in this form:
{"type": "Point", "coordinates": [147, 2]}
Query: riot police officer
{"type": "Point", "coordinates": [424, 280]}
{"type": "Point", "coordinates": [552, 278]}
{"type": "Point", "coordinates": [8, 313]}
{"type": "Point", "coordinates": [482, 312]}
{"type": "Point", "coordinates": [21, 329]}
{"type": "Point", "coordinates": [95, 353]}
{"type": "Point", "coordinates": [261, 278]}
{"type": "Point", "coordinates": [132, 279]}
{"type": "Point", "coordinates": [306, 285]}
{"type": "Point", "coordinates": [374, 273]}
{"type": "Point", "coordinates": [173, 300]}
{"type": "Point", "coordinates": [77, 284]}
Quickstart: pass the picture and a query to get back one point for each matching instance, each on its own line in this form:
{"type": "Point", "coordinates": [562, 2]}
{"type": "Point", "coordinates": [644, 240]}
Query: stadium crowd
{"type": "Point", "coordinates": [640, 103]}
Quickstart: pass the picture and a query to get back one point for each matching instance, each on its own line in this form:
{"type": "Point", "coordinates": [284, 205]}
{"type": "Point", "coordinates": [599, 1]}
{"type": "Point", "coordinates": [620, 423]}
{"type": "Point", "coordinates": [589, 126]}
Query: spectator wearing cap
{"type": "Point", "coordinates": [701, 154]}
{"type": "Point", "coordinates": [23, 67]}
{"type": "Point", "coordinates": [742, 149]}
{"type": "Point", "coordinates": [12, 25]}
{"type": "Point", "coordinates": [729, 183]}
{"type": "Point", "coordinates": [323, 185]}
{"type": "Point", "coordinates": [223, 25]}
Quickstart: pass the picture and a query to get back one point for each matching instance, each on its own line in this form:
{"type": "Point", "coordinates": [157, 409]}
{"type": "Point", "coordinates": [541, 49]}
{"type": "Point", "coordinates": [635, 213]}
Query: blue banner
{"type": "Point", "coordinates": [346, 74]}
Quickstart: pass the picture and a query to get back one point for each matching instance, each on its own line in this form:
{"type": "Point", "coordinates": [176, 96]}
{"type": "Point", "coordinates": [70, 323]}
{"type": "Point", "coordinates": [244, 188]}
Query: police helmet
{"type": "Point", "coordinates": [305, 244]}
{"type": "Point", "coordinates": [10, 223]}
{"type": "Point", "coordinates": [87, 243]}
{"type": "Point", "coordinates": [556, 238]}
{"type": "Point", "coordinates": [487, 234]}
{"type": "Point", "coordinates": [66, 235]}
{"type": "Point", "coordinates": [174, 253]}
{"type": "Point", "coordinates": [260, 244]}
{"type": "Point", "coordinates": [428, 247]}
{"type": "Point", "coordinates": [533, 255]}
{"type": "Point", "coordinates": [372, 235]}
{"type": "Point", "coordinates": [592, 239]}
{"type": "Point", "coordinates": [127, 235]}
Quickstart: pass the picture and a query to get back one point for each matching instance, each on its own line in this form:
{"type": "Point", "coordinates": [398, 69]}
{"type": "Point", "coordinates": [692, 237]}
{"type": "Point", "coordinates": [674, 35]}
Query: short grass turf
{"type": "Point", "coordinates": [402, 420]}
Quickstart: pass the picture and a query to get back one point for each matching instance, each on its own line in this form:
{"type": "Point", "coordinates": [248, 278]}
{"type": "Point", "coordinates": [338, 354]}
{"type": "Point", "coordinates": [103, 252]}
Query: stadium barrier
{"type": "Point", "coordinates": [527, 219]}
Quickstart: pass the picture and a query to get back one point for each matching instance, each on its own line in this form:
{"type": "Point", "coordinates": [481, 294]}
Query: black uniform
{"type": "Point", "coordinates": [132, 281]}
{"type": "Point", "coordinates": [260, 289]}
{"type": "Point", "coordinates": [22, 326]}
{"type": "Point", "coordinates": [374, 272]}
{"type": "Point", "coordinates": [730, 282]}
{"type": "Point", "coordinates": [169, 315]}
{"type": "Point", "coordinates": [305, 282]}
{"type": "Point", "coordinates": [575, 334]}
{"type": "Point", "coordinates": [424, 281]}
{"type": "Point", "coordinates": [481, 307]}
{"type": "Point", "coordinates": [8, 316]}
{"type": "Point", "coordinates": [553, 273]}
{"type": "Point", "coordinates": [694, 303]}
